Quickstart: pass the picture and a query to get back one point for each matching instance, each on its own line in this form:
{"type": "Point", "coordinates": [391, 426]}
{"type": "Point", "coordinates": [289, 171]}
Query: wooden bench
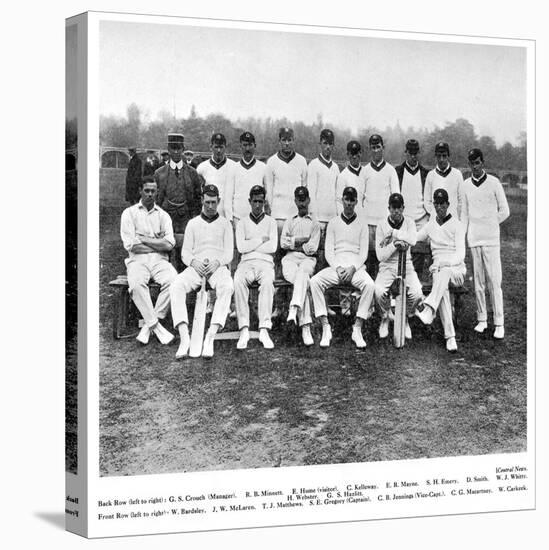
{"type": "Point", "coordinates": [122, 304]}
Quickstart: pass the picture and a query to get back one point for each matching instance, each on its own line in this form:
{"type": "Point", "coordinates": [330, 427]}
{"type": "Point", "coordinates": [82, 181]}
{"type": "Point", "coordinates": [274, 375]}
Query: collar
{"type": "Point", "coordinates": [480, 181]}
{"type": "Point", "coordinates": [247, 165]}
{"type": "Point", "coordinates": [141, 205]}
{"type": "Point", "coordinates": [411, 170]}
{"type": "Point", "coordinates": [286, 160]}
{"type": "Point", "coordinates": [174, 165]}
{"type": "Point", "coordinates": [209, 220]}
{"type": "Point", "coordinates": [442, 222]}
{"type": "Point", "coordinates": [308, 215]}
{"type": "Point", "coordinates": [378, 167]}
{"type": "Point", "coordinates": [355, 171]}
{"type": "Point", "coordinates": [217, 165]}
{"type": "Point", "coordinates": [258, 219]}
{"type": "Point", "coordinates": [350, 220]}
{"type": "Point", "coordinates": [445, 173]}
{"type": "Point", "coordinates": [327, 163]}
{"type": "Point", "coordinates": [395, 225]}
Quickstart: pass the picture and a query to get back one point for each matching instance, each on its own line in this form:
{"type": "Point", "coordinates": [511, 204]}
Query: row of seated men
{"type": "Point", "coordinates": [207, 252]}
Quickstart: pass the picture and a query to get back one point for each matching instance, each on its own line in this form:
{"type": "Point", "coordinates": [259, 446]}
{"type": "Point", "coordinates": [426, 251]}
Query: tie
{"type": "Point", "coordinates": [176, 172]}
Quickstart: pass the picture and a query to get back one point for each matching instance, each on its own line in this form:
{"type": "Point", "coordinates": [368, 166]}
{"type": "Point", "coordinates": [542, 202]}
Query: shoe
{"type": "Point", "coordinates": [164, 336]}
{"type": "Point", "coordinates": [276, 313]}
{"type": "Point", "coordinates": [326, 336]}
{"type": "Point", "coordinates": [407, 331]}
{"type": "Point", "coordinates": [243, 339]}
{"type": "Point", "coordinates": [451, 345]}
{"type": "Point", "coordinates": [499, 333]}
{"type": "Point", "coordinates": [292, 315]}
{"type": "Point", "coordinates": [144, 335]}
{"type": "Point", "coordinates": [208, 346]}
{"type": "Point", "coordinates": [357, 338]}
{"type": "Point", "coordinates": [210, 302]}
{"type": "Point", "coordinates": [426, 316]}
{"type": "Point", "coordinates": [481, 327]}
{"type": "Point", "coordinates": [331, 312]}
{"type": "Point", "coordinates": [232, 314]}
{"type": "Point", "coordinates": [384, 327]}
{"type": "Point", "coordinates": [265, 339]}
{"type": "Point", "coordinates": [183, 349]}
{"type": "Point", "coordinates": [307, 336]}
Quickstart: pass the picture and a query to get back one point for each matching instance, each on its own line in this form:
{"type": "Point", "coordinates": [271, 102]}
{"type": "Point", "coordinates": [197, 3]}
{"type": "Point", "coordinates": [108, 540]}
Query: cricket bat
{"type": "Point", "coordinates": [399, 325]}
{"type": "Point", "coordinates": [199, 321]}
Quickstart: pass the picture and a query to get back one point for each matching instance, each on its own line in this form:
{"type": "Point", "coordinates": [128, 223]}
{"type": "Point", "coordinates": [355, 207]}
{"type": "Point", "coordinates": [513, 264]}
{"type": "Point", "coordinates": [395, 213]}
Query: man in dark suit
{"type": "Point", "coordinates": [133, 177]}
{"type": "Point", "coordinates": [179, 193]}
{"type": "Point", "coordinates": [411, 179]}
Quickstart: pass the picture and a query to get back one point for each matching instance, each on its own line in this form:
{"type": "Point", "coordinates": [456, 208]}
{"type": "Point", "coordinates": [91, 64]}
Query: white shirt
{"type": "Point", "coordinates": [244, 177]}
{"type": "Point", "coordinates": [380, 182]}
{"type": "Point", "coordinates": [322, 184]}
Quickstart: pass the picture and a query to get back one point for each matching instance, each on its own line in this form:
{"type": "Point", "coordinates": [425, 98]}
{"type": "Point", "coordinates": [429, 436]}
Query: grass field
{"type": "Point", "coordinates": [298, 406]}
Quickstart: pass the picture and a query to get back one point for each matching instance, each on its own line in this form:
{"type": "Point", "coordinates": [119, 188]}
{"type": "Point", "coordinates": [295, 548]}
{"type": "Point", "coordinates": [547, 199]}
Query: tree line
{"type": "Point", "coordinates": [135, 130]}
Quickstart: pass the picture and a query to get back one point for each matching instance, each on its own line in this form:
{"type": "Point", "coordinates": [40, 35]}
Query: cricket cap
{"type": "Point", "coordinates": [474, 154]}
{"type": "Point", "coordinates": [301, 192]}
{"type": "Point", "coordinates": [349, 193]}
{"type": "Point", "coordinates": [440, 196]}
{"type": "Point", "coordinates": [285, 133]}
{"type": "Point", "coordinates": [354, 147]}
{"type": "Point", "coordinates": [412, 146]}
{"type": "Point", "coordinates": [211, 190]}
{"type": "Point", "coordinates": [327, 135]}
{"type": "Point", "coordinates": [442, 147]}
{"type": "Point", "coordinates": [218, 139]}
{"type": "Point", "coordinates": [396, 200]}
{"type": "Point", "coordinates": [375, 139]}
{"type": "Point", "coordinates": [257, 190]}
{"type": "Point", "coordinates": [247, 137]}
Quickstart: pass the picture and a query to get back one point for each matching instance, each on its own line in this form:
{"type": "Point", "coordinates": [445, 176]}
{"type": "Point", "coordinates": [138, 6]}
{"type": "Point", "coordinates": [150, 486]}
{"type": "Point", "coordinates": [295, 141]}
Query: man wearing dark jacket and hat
{"type": "Point", "coordinates": [179, 192]}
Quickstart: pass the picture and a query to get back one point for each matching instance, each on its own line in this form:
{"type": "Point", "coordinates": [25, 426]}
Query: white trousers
{"type": "Point", "coordinates": [439, 297]}
{"type": "Point", "coordinates": [487, 273]}
{"type": "Point", "coordinates": [385, 277]}
{"type": "Point", "coordinates": [328, 277]}
{"type": "Point", "coordinates": [141, 269]}
{"type": "Point", "coordinates": [190, 280]}
{"type": "Point", "coordinates": [298, 272]}
{"type": "Point", "coordinates": [247, 272]}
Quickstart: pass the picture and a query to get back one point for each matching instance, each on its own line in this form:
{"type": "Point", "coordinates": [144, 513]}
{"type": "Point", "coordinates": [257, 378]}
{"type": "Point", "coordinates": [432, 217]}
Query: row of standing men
{"type": "Point", "coordinates": [180, 188]}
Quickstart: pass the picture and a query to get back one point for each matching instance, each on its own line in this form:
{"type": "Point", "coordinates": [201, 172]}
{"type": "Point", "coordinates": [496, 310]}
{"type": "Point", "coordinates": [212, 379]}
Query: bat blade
{"type": "Point", "coordinates": [399, 325]}
{"type": "Point", "coordinates": [199, 321]}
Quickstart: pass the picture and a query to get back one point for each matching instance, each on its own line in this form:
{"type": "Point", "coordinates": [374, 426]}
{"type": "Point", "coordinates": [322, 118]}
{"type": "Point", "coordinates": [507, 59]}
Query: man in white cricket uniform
{"type": "Point", "coordinates": [394, 234]}
{"type": "Point", "coordinates": [447, 236]}
{"type": "Point", "coordinates": [346, 251]}
{"type": "Point", "coordinates": [218, 169]}
{"type": "Point", "coordinates": [353, 175]}
{"type": "Point", "coordinates": [485, 207]}
{"type": "Point", "coordinates": [444, 176]}
{"type": "Point", "coordinates": [147, 234]}
{"type": "Point", "coordinates": [300, 238]}
{"type": "Point", "coordinates": [411, 177]}
{"type": "Point", "coordinates": [380, 182]}
{"type": "Point", "coordinates": [207, 250]}
{"type": "Point", "coordinates": [285, 171]}
{"type": "Point", "coordinates": [256, 240]}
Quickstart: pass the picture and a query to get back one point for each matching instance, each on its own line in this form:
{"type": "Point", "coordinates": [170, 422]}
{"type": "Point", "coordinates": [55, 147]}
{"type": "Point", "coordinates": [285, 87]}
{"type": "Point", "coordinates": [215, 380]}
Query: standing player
{"type": "Point", "coordinates": [285, 171]}
{"type": "Point", "coordinates": [179, 192]}
{"type": "Point", "coordinates": [380, 182]}
{"type": "Point", "coordinates": [395, 234]}
{"type": "Point", "coordinates": [353, 175]}
{"type": "Point", "coordinates": [246, 174]}
{"type": "Point", "coordinates": [147, 235]}
{"type": "Point", "coordinates": [218, 169]}
{"type": "Point", "coordinates": [484, 209]}
{"type": "Point", "coordinates": [447, 236]}
{"type": "Point", "coordinates": [207, 250]}
{"type": "Point", "coordinates": [256, 240]}
{"type": "Point", "coordinates": [346, 251]}
{"type": "Point", "coordinates": [322, 174]}
{"type": "Point", "coordinates": [444, 176]}
{"type": "Point", "coordinates": [300, 238]}
{"type": "Point", "coordinates": [411, 177]}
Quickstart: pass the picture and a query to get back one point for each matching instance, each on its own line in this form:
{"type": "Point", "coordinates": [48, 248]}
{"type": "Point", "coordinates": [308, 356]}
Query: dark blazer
{"type": "Point", "coordinates": [133, 179]}
{"type": "Point", "coordinates": [400, 173]}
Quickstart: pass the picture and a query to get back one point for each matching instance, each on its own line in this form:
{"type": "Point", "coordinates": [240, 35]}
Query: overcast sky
{"type": "Point", "coordinates": [353, 82]}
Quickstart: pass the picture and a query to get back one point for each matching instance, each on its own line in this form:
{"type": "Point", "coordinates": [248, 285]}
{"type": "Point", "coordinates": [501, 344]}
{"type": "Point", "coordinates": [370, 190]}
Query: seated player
{"type": "Point", "coordinates": [300, 237]}
{"type": "Point", "coordinates": [447, 236]}
{"type": "Point", "coordinates": [393, 235]}
{"type": "Point", "coordinates": [147, 234]}
{"type": "Point", "coordinates": [256, 240]}
{"type": "Point", "coordinates": [346, 250]}
{"type": "Point", "coordinates": [207, 250]}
